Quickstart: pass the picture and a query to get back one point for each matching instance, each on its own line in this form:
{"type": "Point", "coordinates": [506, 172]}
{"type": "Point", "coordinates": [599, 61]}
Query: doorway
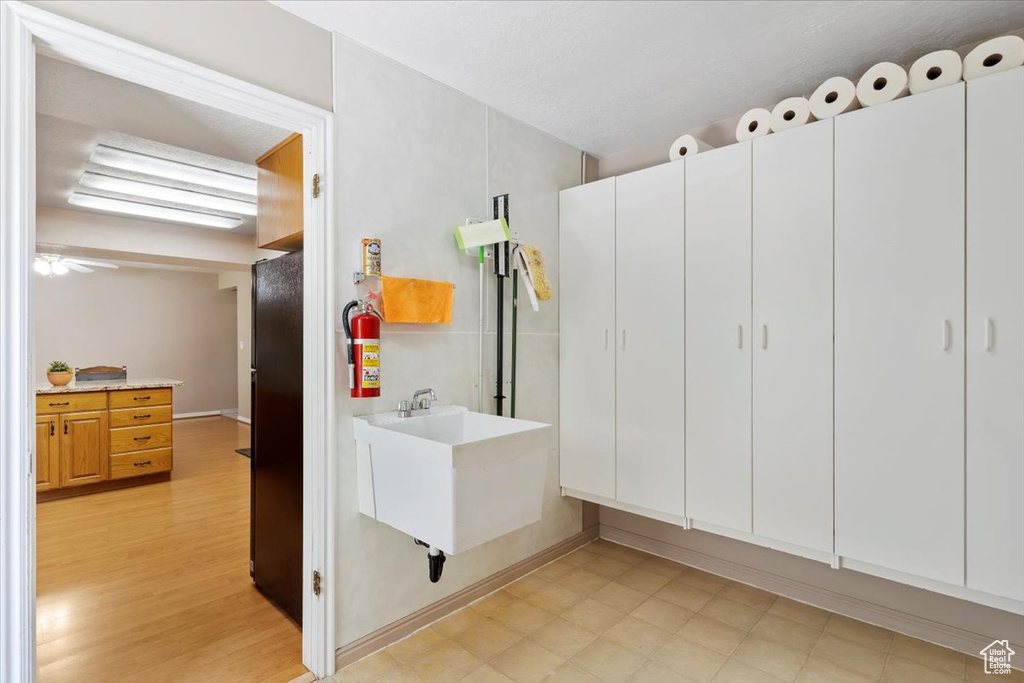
{"type": "Point", "coordinates": [26, 30]}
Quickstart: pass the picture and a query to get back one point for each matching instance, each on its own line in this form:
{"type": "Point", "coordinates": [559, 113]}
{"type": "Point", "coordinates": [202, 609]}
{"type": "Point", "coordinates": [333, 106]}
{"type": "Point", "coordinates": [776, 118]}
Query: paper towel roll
{"type": "Point", "coordinates": [835, 96]}
{"type": "Point", "coordinates": [754, 124]}
{"type": "Point", "coordinates": [935, 70]}
{"type": "Point", "coordinates": [884, 82]}
{"type": "Point", "coordinates": [687, 146]}
{"type": "Point", "coordinates": [993, 56]}
{"type": "Point", "coordinates": [790, 113]}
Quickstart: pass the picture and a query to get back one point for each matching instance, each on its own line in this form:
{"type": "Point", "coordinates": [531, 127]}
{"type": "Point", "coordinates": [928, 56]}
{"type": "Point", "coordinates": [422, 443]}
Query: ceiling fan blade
{"type": "Point", "coordinates": [84, 262]}
{"type": "Point", "coordinates": [76, 266]}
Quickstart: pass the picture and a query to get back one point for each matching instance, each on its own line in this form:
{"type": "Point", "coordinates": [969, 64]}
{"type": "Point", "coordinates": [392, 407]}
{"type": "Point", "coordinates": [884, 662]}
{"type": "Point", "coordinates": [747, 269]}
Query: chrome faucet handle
{"type": "Point", "coordinates": [423, 403]}
{"type": "Point", "coordinates": [404, 409]}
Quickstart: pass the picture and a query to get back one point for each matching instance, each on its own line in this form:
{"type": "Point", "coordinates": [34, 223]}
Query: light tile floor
{"type": "Point", "coordinates": [610, 614]}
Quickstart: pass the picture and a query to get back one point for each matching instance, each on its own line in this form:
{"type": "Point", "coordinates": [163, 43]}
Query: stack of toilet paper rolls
{"type": "Point", "coordinates": [884, 82]}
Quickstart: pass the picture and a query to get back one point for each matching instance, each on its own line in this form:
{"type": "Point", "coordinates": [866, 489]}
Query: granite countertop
{"type": "Point", "coordinates": [109, 385]}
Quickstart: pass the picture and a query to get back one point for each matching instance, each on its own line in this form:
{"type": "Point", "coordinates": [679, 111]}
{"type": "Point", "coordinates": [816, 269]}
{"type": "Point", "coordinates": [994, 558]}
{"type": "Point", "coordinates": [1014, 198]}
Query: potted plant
{"type": "Point", "coordinates": [59, 373]}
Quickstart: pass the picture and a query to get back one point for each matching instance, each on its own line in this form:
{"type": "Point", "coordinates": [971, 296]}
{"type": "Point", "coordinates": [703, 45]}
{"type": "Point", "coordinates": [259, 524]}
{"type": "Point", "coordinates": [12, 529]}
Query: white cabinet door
{"type": "Point", "coordinates": [995, 334]}
{"type": "Point", "coordinates": [899, 335]}
{"type": "Point", "coordinates": [718, 337]}
{"type": "Point", "coordinates": [649, 315]}
{"type": "Point", "coordinates": [586, 348]}
{"type": "Point", "coordinates": [792, 277]}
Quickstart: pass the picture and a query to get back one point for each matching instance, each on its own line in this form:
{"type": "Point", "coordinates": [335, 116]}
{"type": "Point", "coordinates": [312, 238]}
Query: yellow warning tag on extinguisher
{"type": "Point", "coordinates": [371, 366]}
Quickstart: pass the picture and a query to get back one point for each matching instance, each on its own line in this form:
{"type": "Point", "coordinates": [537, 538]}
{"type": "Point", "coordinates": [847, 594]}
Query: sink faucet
{"type": "Point", "coordinates": [418, 406]}
{"type": "Point", "coordinates": [423, 403]}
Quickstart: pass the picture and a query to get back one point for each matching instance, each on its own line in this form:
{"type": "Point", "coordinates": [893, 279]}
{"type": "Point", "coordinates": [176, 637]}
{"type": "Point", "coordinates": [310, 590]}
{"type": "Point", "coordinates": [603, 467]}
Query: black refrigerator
{"type": "Point", "coordinates": [275, 548]}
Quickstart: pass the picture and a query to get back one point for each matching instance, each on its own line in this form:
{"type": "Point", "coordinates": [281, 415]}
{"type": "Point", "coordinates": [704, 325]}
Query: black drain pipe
{"type": "Point", "coordinates": [435, 560]}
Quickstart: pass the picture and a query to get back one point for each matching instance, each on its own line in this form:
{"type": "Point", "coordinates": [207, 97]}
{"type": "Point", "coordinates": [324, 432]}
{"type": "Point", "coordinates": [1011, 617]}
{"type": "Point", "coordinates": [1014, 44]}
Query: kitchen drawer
{"type": "Point", "coordinates": [141, 462]}
{"type": "Point", "coordinates": [49, 404]}
{"type": "Point", "coordinates": [127, 439]}
{"type": "Point", "coordinates": [136, 417]}
{"type": "Point", "coordinates": [133, 398]}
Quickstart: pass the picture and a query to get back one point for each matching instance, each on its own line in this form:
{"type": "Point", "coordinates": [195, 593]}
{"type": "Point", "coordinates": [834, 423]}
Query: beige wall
{"type": "Point", "coordinates": [249, 39]}
{"type": "Point", "coordinates": [407, 173]}
{"type": "Point", "coordinates": [140, 240]}
{"type": "Point", "coordinates": [160, 323]}
{"type": "Point", "coordinates": [240, 283]}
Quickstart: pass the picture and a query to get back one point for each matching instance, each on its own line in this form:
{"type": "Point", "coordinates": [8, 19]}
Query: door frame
{"type": "Point", "coordinates": [24, 31]}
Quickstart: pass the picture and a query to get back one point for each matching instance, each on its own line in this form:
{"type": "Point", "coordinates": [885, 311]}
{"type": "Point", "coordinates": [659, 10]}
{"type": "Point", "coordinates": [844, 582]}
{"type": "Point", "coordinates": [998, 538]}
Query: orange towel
{"type": "Point", "coordinates": [406, 300]}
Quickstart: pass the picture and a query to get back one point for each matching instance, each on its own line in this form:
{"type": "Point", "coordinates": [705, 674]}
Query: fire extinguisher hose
{"type": "Point", "coordinates": [346, 324]}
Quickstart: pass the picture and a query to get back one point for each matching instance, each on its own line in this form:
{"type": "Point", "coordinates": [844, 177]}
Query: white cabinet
{"type": "Point", "coordinates": [586, 357]}
{"type": "Point", "coordinates": [649, 317]}
{"type": "Point", "coordinates": [792, 336]}
{"type": "Point", "coordinates": [995, 334]}
{"type": "Point", "coordinates": [899, 335]}
{"type": "Point", "coordinates": [718, 339]}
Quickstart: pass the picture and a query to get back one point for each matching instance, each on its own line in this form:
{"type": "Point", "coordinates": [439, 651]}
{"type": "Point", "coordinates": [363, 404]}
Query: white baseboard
{"type": "Point", "coordinates": [201, 413]}
{"type": "Point", "coordinates": [233, 414]}
{"type": "Point", "coordinates": [930, 630]}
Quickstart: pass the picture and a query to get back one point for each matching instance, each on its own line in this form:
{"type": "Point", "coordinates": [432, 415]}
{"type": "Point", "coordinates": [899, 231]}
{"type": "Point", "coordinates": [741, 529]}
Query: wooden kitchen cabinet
{"type": "Point", "coordinates": [280, 197]}
{"type": "Point", "coordinates": [84, 440]}
{"type": "Point", "coordinates": [47, 452]}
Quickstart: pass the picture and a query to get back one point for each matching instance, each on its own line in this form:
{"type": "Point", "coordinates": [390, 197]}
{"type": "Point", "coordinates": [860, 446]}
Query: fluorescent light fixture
{"type": "Point", "coordinates": [138, 188]}
{"type": "Point", "coordinates": [172, 170]}
{"type": "Point", "coordinates": [91, 201]}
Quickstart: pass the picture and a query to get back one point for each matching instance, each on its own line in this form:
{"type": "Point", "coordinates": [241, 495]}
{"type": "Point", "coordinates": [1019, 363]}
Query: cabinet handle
{"type": "Point", "coordinates": [140, 398]}
{"type": "Point", "coordinates": [947, 337]}
{"type": "Point", "coordinates": [606, 339]}
{"type": "Point", "coordinates": [52, 426]}
{"type": "Point", "coordinates": [141, 417]}
{"type": "Point", "coordinates": [623, 345]}
{"type": "Point", "coordinates": [764, 336]}
{"type": "Point", "coordinates": [65, 426]}
{"type": "Point", "coordinates": [989, 333]}
{"type": "Point", "coordinates": [143, 463]}
{"type": "Point", "coordinates": [142, 438]}
{"type": "Point", "coordinates": [60, 404]}
{"type": "Point", "coordinates": [739, 336]}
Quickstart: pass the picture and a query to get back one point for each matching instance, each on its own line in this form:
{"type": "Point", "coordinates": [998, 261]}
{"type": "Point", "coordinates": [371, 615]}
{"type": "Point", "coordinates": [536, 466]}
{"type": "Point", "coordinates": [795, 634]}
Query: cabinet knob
{"type": "Point", "coordinates": [142, 438]}
{"type": "Point", "coordinates": [140, 398]}
{"type": "Point", "coordinates": [143, 463]}
{"type": "Point", "coordinates": [141, 417]}
{"type": "Point", "coordinates": [989, 333]}
{"type": "Point", "coordinates": [64, 403]}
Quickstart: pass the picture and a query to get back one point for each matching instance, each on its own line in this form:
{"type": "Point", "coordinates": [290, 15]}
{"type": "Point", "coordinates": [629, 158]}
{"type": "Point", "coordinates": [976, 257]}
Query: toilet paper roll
{"type": "Point", "coordinates": [754, 124]}
{"type": "Point", "coordinates": [790, 113]}
{"type": "Point", "coordinates": [993, 56]}
{"type": "Point", "coordinates": [884, 82]}
{"type": "Point", "coordinates": [935, 70]}
{"type": "Point", "coordinates": [687, 146]}
{"type": "Point", "coordinates": [835, 96]}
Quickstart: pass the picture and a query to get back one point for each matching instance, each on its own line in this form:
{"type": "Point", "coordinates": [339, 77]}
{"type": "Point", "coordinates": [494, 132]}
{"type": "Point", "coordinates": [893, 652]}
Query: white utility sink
{"type": "Point", "coordinates": [452, 478]}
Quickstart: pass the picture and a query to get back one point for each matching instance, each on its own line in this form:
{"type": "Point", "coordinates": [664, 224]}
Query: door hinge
{"type": "Point", "coordinates": [316, 583]}
{"type": "Point", "coordinates": [316, 185]}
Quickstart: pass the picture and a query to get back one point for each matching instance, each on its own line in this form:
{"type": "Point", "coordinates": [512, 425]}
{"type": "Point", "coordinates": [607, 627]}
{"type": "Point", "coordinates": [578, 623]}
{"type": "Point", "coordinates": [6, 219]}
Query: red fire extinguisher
{"type": "Point", "coordinates": [363, 336]}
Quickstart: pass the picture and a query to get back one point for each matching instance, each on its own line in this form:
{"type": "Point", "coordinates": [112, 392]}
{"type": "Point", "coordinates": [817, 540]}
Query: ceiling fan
{"type": "Point", "coordinates": [55, 264]}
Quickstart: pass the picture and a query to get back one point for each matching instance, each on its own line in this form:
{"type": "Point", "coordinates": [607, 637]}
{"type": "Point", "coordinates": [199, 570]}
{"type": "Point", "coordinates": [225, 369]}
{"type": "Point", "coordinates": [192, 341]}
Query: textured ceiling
{"type": "Point", "coordinates": [78, 109]}
{"type": "Point", "coordinates": [609, 76]}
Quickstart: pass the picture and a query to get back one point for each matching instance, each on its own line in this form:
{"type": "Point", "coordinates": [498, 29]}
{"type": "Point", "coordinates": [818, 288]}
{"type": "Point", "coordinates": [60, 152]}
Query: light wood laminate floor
{"type": "Point", "coordinates": [610, 614]}
{"type": "Point", "coordinates": [152, 583]}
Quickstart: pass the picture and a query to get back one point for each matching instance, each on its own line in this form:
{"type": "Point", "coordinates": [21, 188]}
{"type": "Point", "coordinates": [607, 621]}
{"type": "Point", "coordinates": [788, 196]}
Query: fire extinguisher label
{"type": "Point", "coordinates": [371, 366]}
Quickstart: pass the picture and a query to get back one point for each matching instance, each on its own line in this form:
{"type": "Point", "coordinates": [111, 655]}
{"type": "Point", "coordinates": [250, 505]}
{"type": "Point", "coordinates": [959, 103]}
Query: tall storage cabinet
{"type": "Point", "coordinates": [649, 316]}
{"type": "Point", "coordinates": [995, 334]}
{"type": "Point", "coordinates": [792, 335]}
{"type": "Point", "coordinates": [718, 340]}
{"type": "Point", "coordinates": [899, 335]}
{"type": "Point", "coordinates": [586, 247]}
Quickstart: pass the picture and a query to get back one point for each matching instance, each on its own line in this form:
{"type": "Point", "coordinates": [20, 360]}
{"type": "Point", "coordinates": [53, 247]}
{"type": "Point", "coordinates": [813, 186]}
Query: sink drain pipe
{"type": "Point", "coordinates": [435, 560]}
